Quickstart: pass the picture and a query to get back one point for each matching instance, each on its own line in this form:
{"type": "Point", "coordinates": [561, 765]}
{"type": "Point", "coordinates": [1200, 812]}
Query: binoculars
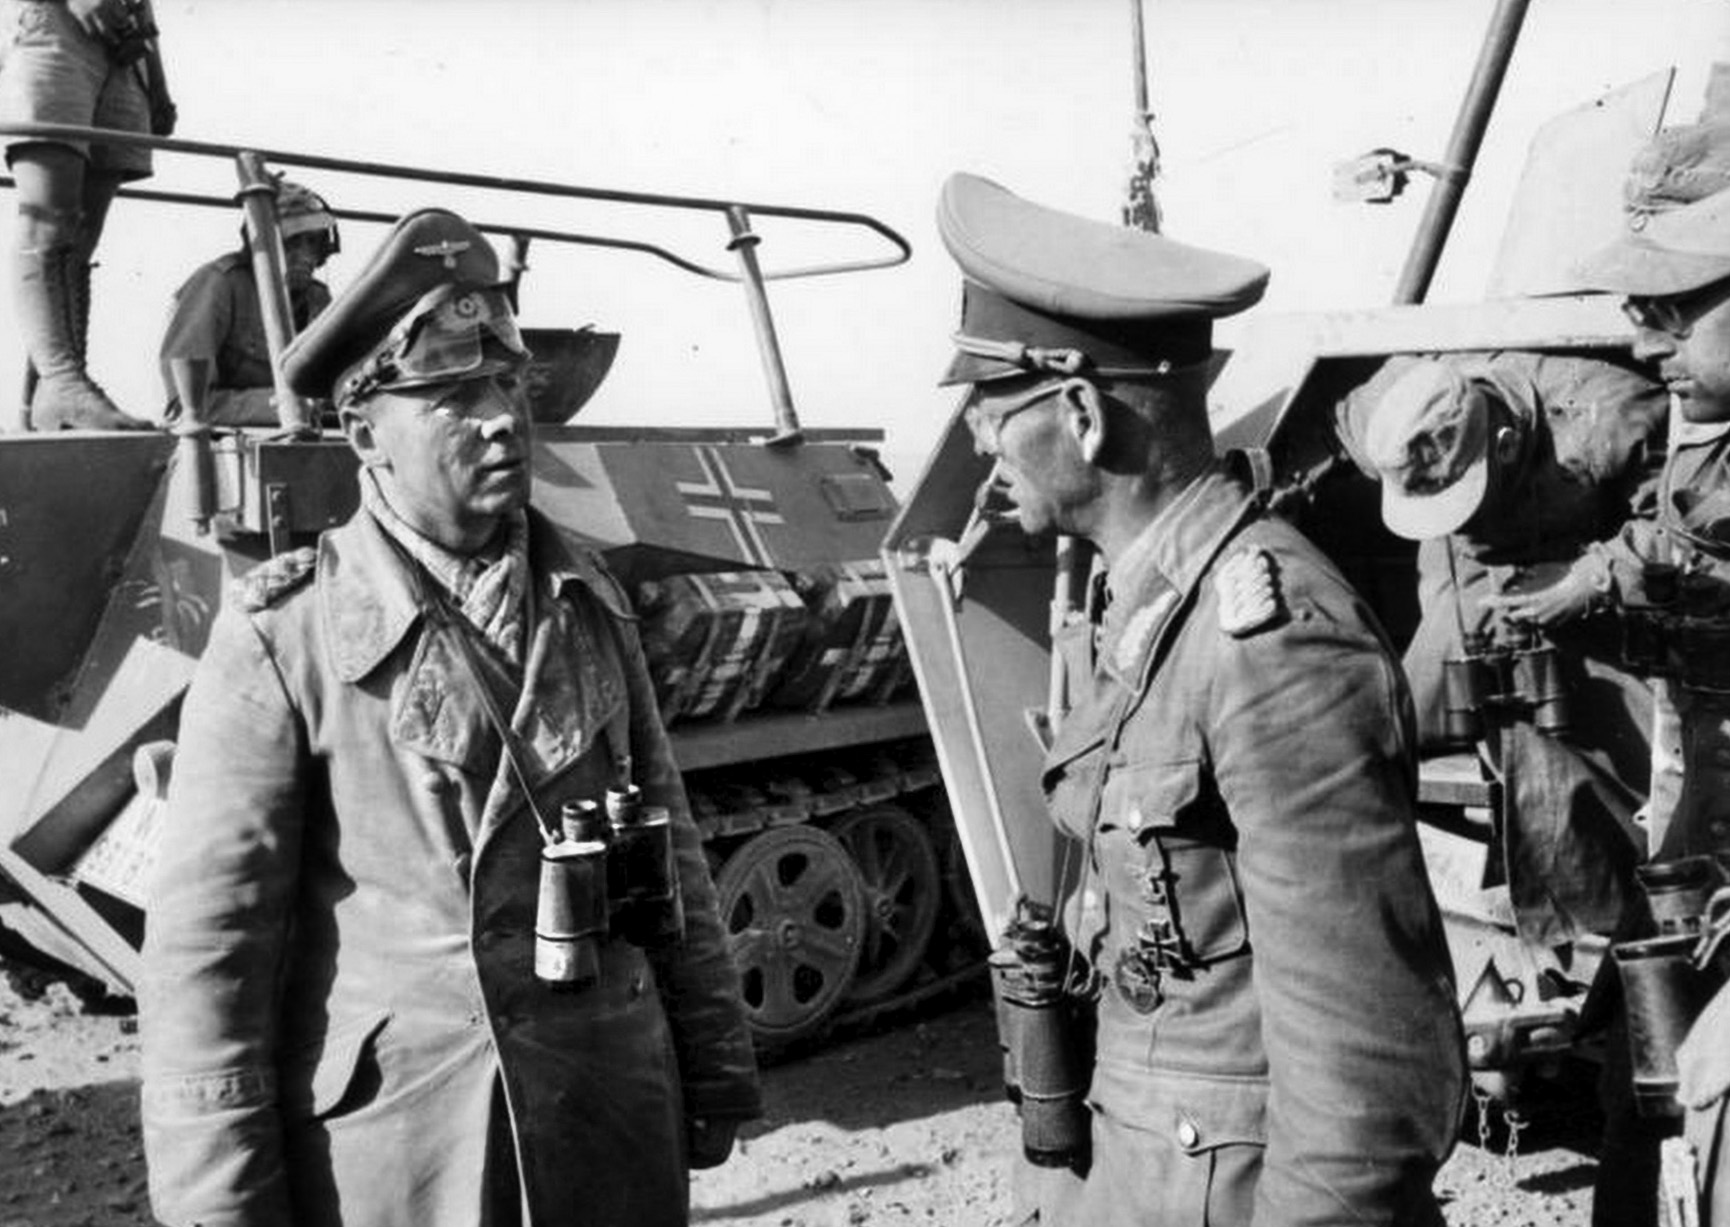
{"type": "Point", "coordinates": [1522, 675]}
{"type": "Point", "coordinates": [610, 873]}
{"type": "Point", "coordinates": [1045, 1062]}
{"type": "Point", "coordinates": [1664, 982]}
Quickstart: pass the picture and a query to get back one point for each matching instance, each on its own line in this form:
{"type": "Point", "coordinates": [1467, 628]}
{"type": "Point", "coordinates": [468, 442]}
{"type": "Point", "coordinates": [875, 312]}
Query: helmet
{"type": "Point", "coordinates": [300, 210]}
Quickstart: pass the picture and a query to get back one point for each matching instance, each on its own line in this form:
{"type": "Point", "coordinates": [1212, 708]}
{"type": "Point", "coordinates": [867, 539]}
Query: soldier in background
{"type": "Point", "coordinates": [90, 63]}
{"type": "Point", "coordinates": [1517, 472]}
{"type": "Point", "coordinates": [1277, 1035]}
{"type": "Point", "coordinates": [214, 350]}
{"type": "Point", "coordinates": [1673, 266]}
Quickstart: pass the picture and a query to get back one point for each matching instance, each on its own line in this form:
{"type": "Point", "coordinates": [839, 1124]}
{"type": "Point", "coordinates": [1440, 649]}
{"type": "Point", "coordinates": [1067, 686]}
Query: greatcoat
{"type": "Point", "coordinates": [339, 1009]}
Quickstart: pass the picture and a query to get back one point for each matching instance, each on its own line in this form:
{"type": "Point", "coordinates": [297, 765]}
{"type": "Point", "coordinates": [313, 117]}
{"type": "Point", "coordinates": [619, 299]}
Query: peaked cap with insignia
{"type": "Point", "coordinates": [426, 308]}
{"type": "Point", "coordinates": [1048, 290]}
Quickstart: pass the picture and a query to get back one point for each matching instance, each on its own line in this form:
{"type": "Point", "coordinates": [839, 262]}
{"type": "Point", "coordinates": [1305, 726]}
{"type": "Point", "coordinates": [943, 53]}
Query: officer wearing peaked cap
{"type": "Point", "coordinates": [1277, 1037]}
{"type": "Point", "coordinates": [346, 1016]}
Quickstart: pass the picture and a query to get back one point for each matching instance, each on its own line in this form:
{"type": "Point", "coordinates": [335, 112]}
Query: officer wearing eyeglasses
{"type": "Point", "coordinates": [344, 1019]}
{"type": "Point", "coordinates": [1277, 1036]}
{"type": "Point", "coordinates": [1672, 265]}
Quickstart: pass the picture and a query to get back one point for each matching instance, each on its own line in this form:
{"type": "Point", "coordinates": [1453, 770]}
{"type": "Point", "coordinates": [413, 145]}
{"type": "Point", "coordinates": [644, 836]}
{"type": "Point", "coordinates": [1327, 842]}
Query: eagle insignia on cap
{"type": "Point", "coordinates": [1132, 644]}
{"type": "Point", "coordinates": [1248, 592]}
{"type": "Point", "coordinates": [445, 249]}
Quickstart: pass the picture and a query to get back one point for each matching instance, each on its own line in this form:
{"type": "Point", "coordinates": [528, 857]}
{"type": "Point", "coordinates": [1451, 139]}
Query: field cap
{"type": "Point", "coordinates": [1677, 167]}
{"type": "Point", "coordinates": [427, 308]}
{"type": "Point", "coordinates": [1428, 439]}
{"type": "Point", "coordinates": [1678, 217]}
{"type": "Point", "coordinates": [1045, 290]}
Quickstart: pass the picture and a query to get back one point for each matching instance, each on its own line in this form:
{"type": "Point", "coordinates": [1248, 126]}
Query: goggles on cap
{"type": "Point", "coordinates": [443, 338]}
{"type": "Point", "coordinates": [1674, 314]}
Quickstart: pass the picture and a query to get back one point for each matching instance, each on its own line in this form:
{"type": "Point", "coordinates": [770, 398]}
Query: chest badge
{"type": "Point", "coordinates": [1138, 631]}
{"type": "Point", "coordinates": [1248, 592]}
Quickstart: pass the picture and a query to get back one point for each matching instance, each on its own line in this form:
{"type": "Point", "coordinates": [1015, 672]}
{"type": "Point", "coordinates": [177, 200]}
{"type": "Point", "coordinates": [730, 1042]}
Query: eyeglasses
{"type": "Point", "coordinates": [1674, 315]}
{"type": "Point", "coordinates": [442, 340]}
{"type": "Point", "coordinates": [987, 424]}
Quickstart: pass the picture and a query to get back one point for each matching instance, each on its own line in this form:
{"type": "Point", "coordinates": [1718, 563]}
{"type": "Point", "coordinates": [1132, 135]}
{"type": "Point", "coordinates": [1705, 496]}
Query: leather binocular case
{"type": "Point", "coordinates": [571, 913]}
{"type": "Point", "coordinates": [1663, 986]}
{"type": "Point", "coordinates": [1039, 1029]}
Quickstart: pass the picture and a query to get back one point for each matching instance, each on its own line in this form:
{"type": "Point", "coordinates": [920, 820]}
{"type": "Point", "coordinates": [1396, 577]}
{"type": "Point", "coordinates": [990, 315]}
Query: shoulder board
{"type": "Point", "coordinates": [273, 579]}
{"type": "Point", "coordinates": [1248, 590]}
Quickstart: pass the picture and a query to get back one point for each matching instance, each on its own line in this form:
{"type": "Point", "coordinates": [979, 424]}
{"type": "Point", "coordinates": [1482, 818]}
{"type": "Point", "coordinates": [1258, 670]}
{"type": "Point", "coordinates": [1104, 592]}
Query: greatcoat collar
{"type": "Point", "coordinates": [368, 592]}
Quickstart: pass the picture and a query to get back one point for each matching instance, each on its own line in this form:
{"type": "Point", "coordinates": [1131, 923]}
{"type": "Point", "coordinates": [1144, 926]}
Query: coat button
{"type": "Point", "coordinates": [1187, 1134]}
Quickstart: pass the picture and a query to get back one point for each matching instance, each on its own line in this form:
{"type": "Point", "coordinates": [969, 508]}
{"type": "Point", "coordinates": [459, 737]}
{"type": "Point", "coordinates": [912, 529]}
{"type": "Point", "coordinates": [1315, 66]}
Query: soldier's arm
{"type": "Point", "coordinates": [198, 322]}
{"type": "Point", "coordinates": [1607, 424]}
{"type": "Point", "coordinates": [699, 983]}
{"type": "Point", "coordinates": [1310, 739]}
{"type": "Point", "coordinates": [218, 920]}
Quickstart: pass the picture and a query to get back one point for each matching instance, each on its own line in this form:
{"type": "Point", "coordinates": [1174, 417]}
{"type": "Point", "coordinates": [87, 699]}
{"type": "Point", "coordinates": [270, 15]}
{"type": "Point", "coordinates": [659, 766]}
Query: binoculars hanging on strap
{"type": "Point", "coordinates": [611, 873]}
{"type": "Point", "coordinates": [1668, 978]}
{"type": "Point", "coordinates": [1046, 1062]}
{"type": "Point", "coordinates": [1521, 676]}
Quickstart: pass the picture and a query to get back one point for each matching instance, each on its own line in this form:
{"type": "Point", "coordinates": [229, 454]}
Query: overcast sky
{"type": "Point", "coordinates": [861, 105]}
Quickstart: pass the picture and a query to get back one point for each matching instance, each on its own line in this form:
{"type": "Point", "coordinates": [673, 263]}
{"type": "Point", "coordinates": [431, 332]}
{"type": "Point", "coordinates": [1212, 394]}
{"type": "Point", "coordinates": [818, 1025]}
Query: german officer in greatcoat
{"type": "Point", "coordinates": [1277, 1035]}
{"type": "Point", "coordinates": [343, 1009]}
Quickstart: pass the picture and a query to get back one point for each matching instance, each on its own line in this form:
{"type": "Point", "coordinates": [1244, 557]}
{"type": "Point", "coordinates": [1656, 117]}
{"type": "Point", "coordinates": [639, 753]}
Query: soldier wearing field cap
{"type": "Point", "coordinates": [1517, 471]}
{"type": "Point", "coordinates": [1277, 1036]}
{"type": "Point", "coordinates": [348, 1016]}
{"type": "Point", "coordinates": [1672, 266]}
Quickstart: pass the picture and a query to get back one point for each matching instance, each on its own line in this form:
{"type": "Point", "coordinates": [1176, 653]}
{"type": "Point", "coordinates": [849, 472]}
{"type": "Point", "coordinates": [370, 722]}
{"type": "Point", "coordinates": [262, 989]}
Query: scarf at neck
{"type": "Point", "coordinates": [488, 592]}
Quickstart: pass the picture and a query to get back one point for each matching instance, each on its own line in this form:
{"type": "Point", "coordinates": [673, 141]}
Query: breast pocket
{"type": "Point", "coordinates": [1167, 844]}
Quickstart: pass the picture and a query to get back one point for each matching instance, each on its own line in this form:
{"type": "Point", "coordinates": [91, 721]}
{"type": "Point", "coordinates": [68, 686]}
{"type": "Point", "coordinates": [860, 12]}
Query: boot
{"type": "Point", "coordinates": [65, 397]}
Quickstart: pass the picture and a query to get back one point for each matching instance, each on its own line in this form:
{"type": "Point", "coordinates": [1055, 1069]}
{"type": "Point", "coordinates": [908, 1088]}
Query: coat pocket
{"type": "Point", "coordinates": [333, 1072]}
{"type": "Point", "coordinates": [1190, 1152]}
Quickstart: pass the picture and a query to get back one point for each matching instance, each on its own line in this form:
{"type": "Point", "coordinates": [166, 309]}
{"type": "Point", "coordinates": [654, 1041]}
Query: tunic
{"type": "Point", "coordinates": [1277, 1040]}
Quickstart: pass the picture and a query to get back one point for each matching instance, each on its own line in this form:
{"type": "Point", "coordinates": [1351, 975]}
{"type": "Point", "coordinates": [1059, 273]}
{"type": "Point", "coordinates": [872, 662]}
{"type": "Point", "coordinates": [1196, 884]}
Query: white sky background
{"type": "Point", "coordinates": [859, 105]}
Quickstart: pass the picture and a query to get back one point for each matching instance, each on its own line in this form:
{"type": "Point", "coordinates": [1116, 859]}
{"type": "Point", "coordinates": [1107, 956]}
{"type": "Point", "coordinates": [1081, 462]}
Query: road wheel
{"type": "Point", "coordinates": [794, 912]}
{"type": "Point", "coordinates": [903, 893]}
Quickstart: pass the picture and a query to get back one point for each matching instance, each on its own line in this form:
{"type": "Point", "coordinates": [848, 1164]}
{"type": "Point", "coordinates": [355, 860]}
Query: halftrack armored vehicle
{"type": "Point", "coordinates": [751, 552]}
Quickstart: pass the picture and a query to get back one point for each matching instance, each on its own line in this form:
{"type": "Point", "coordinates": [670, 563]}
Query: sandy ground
{"type": "Point", "coordinates": [904, 1126]}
